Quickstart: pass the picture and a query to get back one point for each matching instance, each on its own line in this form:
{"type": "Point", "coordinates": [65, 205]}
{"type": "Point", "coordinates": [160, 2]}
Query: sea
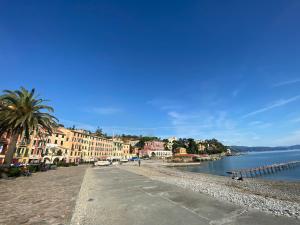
{"type": "Point", "coordinates": [251, 160]}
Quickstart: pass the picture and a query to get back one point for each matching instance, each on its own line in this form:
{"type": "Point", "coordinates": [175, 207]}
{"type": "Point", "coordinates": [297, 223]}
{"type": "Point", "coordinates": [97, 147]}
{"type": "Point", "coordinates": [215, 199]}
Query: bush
{"type": "Point", "coordinates": [14, 172]}
{"type": "Point", "coordinates": [33, 168]}
{"type": "Point", "coordinates": [64, 164]}
{"type": "Point", "coordinates": [61, 164]}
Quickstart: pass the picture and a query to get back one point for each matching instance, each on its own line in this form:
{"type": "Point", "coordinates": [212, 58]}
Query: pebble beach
{"type": "Point", "coordinates": [274, 197]}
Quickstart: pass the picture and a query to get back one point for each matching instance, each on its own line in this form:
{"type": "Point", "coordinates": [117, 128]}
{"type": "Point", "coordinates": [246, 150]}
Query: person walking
{"type": "Point", "coordinates": [139, 162]}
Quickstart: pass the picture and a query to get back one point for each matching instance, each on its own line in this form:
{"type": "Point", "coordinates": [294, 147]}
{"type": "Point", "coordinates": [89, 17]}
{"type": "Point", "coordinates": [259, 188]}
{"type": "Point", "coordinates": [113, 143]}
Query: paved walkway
{"type": "Point", "coordinates": [45, 198]}
{"type": "Point", "coordinates": [114, 196]}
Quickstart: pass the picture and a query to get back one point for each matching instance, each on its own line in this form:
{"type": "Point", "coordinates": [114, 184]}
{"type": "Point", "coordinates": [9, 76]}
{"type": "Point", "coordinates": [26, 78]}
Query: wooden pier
{"type": "Point", "coordinates": [260, 171]}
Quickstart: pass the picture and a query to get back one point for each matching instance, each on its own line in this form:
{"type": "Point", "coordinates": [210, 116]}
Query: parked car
{"type": "Point", "coordinates": [102, 163]}
{"type": "Point", "coordinates": [134, 159]}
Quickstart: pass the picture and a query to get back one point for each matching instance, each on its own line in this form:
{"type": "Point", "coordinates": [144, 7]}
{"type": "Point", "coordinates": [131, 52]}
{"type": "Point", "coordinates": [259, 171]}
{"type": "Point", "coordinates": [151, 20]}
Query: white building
{"type": "Point", "coordinates": [160, 154]}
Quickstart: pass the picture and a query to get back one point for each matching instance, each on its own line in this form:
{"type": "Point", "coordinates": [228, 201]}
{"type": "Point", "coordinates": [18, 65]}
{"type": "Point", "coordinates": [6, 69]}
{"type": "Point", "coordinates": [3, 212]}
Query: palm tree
{"type": "Point", "coordinates": [23, 114]}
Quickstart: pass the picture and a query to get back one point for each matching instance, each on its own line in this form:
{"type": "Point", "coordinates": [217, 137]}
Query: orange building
{"type": "Point", "coordinates": [68, 145]}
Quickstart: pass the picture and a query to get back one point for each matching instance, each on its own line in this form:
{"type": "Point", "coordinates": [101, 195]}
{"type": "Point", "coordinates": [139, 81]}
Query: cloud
{"type": "Point", "coordinates": [187, 118]}
{"type": "Point", "coordinates": [276, 104]}
{"type": "Point", "coordinates": [296, 120]}
{"type": "Point", "coordinates": [201, 124]}
{"type": "Point", "coordinates": [165, 104]}
{"type": "Point", "coordinates": [288, 82]}
{"type": "Point", "coordinates": [290, 139]}
{"type": "Point", "coordinates": [260, 124]}
{"type": "Point", "coordinates": [104, 110]}
{"type": "Point", "coordinates": [254, 123]}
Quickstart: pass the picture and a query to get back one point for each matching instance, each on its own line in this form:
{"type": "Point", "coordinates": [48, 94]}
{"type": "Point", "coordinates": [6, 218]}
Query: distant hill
{"type": "Point", "coordinates": [258, 149]}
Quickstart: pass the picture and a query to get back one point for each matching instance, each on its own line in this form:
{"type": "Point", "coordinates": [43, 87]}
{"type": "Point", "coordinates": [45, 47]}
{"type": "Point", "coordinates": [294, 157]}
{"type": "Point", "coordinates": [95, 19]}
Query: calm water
{"type": "Point", "coordinates": [253, 159]}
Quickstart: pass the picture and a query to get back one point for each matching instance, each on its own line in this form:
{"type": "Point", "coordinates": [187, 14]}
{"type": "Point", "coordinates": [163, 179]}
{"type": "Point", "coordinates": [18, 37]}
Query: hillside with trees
{"type": "Point", "coordinates": [211, 146]}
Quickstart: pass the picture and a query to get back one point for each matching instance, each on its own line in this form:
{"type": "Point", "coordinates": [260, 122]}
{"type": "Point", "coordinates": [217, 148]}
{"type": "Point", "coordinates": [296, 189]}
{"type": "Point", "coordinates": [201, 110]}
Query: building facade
{"type": "Point", "coordinates": [66, 145]}
{"type": "Point", "coordinates": [155, 149]}
{"type": "Point", "coordinates": [126, 151]}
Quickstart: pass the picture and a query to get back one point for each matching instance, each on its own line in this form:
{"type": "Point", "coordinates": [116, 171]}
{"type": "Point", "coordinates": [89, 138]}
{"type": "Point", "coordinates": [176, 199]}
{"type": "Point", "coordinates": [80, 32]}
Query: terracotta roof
{"type": "Point", "coordinates": [59, 132]}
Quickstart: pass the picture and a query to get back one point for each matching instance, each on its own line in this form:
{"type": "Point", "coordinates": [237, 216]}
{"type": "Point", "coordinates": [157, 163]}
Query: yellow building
{"type": "Point", "coordinates": [180, 151]}
{"type": "Point", "coordinates": [117, 152]}
{"type": "Point", "coordinates": [71, 146]}
{"type": "Point", "coordinates": [126, 151]}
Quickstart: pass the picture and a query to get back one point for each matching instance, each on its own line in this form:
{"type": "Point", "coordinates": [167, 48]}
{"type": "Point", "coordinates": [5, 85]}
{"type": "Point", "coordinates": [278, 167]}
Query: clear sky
{"type": "Point", "coordinates": [201, 69]}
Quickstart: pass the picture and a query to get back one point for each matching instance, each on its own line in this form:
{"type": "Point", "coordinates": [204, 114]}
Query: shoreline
{"type": "Point", "coordinates": [279, 198]}
{"type": "Point", "coordinates": [181, 164]}
{"type": "Point", "coordinates": [260, 179]}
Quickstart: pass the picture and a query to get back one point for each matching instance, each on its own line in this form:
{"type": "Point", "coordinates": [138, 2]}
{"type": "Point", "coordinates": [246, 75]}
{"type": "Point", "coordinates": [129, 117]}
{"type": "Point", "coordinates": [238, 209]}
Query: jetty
{"type": "Point", "coordinates": [263, 170]}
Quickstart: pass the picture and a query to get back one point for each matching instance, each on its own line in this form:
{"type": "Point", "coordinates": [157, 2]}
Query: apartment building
{"type": "Point", "coordinates": [4, 141]}
{"type": "Point", "coordinates": [67, 145]}
{"type": "Point", "coordinates": [126, 151]}
{"type": "Point", "coordinates": [117, 153]}
{"type": "Point", "coordinates": [26, 150]}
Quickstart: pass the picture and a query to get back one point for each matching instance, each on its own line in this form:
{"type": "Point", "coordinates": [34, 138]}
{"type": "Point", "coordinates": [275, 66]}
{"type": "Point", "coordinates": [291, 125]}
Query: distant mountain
{"type": "Point", "coordinates": [257, 149]}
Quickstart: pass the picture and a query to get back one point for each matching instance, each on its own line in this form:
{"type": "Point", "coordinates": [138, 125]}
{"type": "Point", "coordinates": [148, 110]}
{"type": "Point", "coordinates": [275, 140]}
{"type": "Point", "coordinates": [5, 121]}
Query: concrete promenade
{"type": "Point", "coordinates": [111, 195]}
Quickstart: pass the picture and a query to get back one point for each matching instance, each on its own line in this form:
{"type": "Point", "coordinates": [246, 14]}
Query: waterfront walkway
{"type": "Point", "coordinates": [45, 198]}
{"type": "Point", "coordinates": [111, 195]}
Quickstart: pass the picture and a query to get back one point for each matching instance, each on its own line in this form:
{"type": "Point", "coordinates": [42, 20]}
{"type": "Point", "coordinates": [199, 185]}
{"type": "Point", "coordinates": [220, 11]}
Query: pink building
{"type": "Point", "coordinates": [154, 146]}
{"type": "Point", "coordinates": [155, 149]}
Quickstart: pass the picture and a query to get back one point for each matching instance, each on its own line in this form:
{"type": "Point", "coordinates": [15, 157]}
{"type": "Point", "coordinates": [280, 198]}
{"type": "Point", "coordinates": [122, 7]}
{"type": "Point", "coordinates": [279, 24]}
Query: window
{"type": "Point", "coordinates": [55, 142]}
{"type": "Point", "coordinates": [56, 135]}
{"type": "Point", "coordinates": [61, 143]}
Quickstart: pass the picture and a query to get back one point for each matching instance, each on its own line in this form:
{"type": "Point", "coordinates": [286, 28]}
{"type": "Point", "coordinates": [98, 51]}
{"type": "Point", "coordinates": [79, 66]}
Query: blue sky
{"type": "Point", "coordinates": [202, 69]}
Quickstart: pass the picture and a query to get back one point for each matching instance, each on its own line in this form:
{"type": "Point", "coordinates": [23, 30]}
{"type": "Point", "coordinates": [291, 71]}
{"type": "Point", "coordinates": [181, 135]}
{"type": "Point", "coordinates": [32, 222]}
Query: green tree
{"type": "Point", "coordinates": [213, 146]}
{"type": "Point", "coordinates": [192, 147]}
{"type": "Point", "coordinates": [99, 132]}
{"type": "Point", "coordinates": [166, 143]}
{"type": "Point", "coordinates": [21, 114]}
{"type": "Point", "coordinates": [180, 143]}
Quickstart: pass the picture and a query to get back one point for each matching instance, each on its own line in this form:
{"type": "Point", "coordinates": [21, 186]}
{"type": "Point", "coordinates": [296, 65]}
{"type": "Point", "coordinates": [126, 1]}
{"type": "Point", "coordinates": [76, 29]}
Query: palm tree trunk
{"type": "Point", "coordinates": [9, 154]}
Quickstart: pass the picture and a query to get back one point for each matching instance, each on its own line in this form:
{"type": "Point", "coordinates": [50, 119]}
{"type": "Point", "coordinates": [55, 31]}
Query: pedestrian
{"type": "Point", "coordinates": [139, 162]}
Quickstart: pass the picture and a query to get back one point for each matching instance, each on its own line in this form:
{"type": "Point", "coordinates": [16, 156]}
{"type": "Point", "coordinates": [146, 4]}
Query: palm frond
{"type": "Point", "coordinates": [22, 112]}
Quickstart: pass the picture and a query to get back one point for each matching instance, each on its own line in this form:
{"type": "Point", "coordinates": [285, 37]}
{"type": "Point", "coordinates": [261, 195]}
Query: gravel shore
{"type": "Point", "coordinates": [41, 199]}
{"type": "Point", "coordinates": [278, 198]}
